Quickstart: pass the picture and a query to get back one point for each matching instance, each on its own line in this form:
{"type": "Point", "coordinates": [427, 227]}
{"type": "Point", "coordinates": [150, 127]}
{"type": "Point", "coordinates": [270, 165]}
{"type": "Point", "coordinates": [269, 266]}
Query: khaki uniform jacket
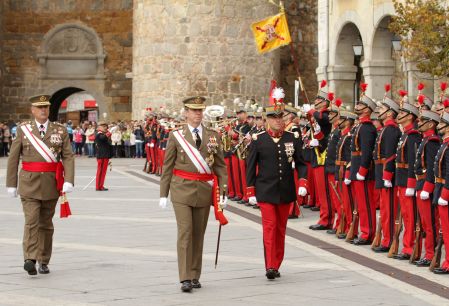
{"type": "Point", "coordinates": [39, 185]}
{"type": "Point", "coordinates": [189, 192]}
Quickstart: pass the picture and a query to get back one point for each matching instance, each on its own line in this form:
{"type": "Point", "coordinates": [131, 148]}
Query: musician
{"type": "Point", "coordinates": [48, 168]}
{"type": "Point", "coordinates": [273, 186]}
{"type": "Point", "coordinates": [193, 158]}
{"type": "Point", "coordinates": [103, 151]}
{"type": "Point", "coordinates": [384, 159]}
{"type": "Point", "coordinates": [240, 131]}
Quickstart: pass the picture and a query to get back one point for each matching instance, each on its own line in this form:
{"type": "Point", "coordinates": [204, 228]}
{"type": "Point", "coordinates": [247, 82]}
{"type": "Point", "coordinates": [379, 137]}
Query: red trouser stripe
{"type": "Point", "coordinates": [388, 212]}
{"type": "Point", "coordinates": [408, 218]}
{"type": "Point", "coordinates": [316, 180]}
{"type": "Point", "coordinates": [236, 176]}
{"type": "Point", "coordinates": [231, 192]}
{"type": "Point", "coordinates": [364, 197]}
{"type": "Point", "coordinates": [274, 223]}
{"type": "Point", "coordinates": [429, 223]}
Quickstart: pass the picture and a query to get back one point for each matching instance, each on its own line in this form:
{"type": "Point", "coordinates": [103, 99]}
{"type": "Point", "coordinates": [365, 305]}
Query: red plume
{"type": "Point", "coordinates": [323, 83]}
{"type": "Point", "coordinates": [446, 103]}
{"type": "Point", "coordinates": [338, 102]}
{"type": "Point", "coordinates": [443, 86]}
{"type": "Point", "coordinates": [272, 87]}
{"type": "Point", "coordinates": [330, 96]}
{"type": "Point", "coordinates": [420, 86]}
{"type": "Point", "coordinates": [150, 109]}
{"type": "Point", "coordinates": [387, 87]}
{"type": "Point", "coordinates": [403, 93]}
{"type": "Point", "coordinates": [421, 99]}
{"type": "Point", "coordinates": [363, 87]}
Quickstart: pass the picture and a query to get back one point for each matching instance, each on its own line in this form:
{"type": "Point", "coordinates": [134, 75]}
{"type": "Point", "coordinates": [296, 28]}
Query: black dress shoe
{"type": "Point", "coordinates": [236, 199]}
{"type": "Point", "coordinates": [30, 267]}
{"type": "Point", "coordinates": [43, 269]}
{"type": "Point", "coordinates": [381, 249]}
{"type": "Point", "coordinates": [271, 273]}
{"type": "Point", "coordinates": [318, 227]}
{"type": "Point", "coordinates": [186, 286]}
{"type": "Point", "coordinates": [104, 189]}
{"type": "Point", "coordinates": [402, 256]}
{"type": "Point", "coordinates": [278, 274]}
{"type": "Point", "coordinates": [361, 242]}
{"type": "Point", "coordinates": [314, 208]}
{"type": "Point", "coordinates": [341, 236]}
{"type": "Point", "coordinates": [440, 271]}
{"type": "Point", "coordinates": [307, 206]}
{"type": "Point", "coordinates": [196, 284]}
{"type": "Point", "coordinates": [331, 231]}
{"type": "Point", "coordinates": [423, 262]}
{"type": "Point", "coordinates": [256, 207]}
{"type": "Point", "coordinates": [293, 217]}
{"type": "Point", "coordinates": [241, 202]}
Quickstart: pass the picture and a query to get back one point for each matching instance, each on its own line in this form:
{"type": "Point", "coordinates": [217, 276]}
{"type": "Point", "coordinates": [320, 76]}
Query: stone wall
{"type": "Point", "coordinates": [26, 22]}
{"type": "Point", "coordinates": [198, 47]}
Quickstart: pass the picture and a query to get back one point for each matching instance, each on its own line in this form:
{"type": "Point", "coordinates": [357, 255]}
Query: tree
{"type": "Point", "coordinates": [424, 29]}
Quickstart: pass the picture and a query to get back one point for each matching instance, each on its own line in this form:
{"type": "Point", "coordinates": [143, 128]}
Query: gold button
{"type": "Point", "coordinates": [280, 158]}
{"type": "Point", "coordinates": [280, 171]}
{"type": "Point", "coordinates": [280, 178]}
{"type": "Point", "coordinates": [279, 151]}
{"type": "Point", "coordinates": [280, 165]}
{"type": "Point", "coordinates": [279, 145]}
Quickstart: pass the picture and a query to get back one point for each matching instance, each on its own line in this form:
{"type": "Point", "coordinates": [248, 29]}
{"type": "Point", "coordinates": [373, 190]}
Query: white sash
{"type": "Point", "coordinates": [193, 154]}
{"type": "Point", "coordinates": [38, 144]}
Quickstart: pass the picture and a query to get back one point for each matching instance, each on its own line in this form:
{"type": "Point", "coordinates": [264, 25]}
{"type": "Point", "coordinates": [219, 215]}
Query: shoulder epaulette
{"type": "Point", "coordinates": [25, 123]}
{"type": "Point", "coordinates": [411, 132]}
{"type": "Point", "coordinates": [434, 138]}
{"type": "Point", "coordinates": [257, 135]}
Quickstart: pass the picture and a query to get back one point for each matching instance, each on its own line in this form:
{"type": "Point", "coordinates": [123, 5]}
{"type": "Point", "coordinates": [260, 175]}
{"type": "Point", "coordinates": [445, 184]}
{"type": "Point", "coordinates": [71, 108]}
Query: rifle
{"type": "Point", "coordinates": [394, 248]}
{"type": "Point", "coordinates": [355, 220]}
{"type": "Point", "coordinates": [437, 256]}
{"type": "Point", "coordinates": [341, 225]}
{"type": "Point", "coordinates": [416, 254]}
{"type": "Point", "coordinates": [378, 238]}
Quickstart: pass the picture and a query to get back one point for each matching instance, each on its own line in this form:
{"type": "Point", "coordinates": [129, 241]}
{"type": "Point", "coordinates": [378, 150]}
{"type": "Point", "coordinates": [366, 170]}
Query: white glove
{"type": "Point", "coordinates": [316, 127]}
{"type": "Point", "coordinates": [67, 187]}
{"type": "Point", "coordinates": [442, 202]}
{"type": "Point", "coordinates": [163, 202]}
{"type": "Point", "coordinates": [347, 181]}
{"type": "Point", "coordinates": [151, 145]}
{"type": "Point", "coordinates": [360, 177]}
{"type": "Point", "coordinates": [424, 195]}
{"type": "Point", "coordinates": [12, 192]}
{"type": "Point", "coordinates": [306, 108]}
{"type": "Point", "coordinates": [409, 192]}
{"type": "Point", "coordinates": [223, 202]}
{"type": "Point", "coordinates": [388, 184]}
{"type": "Point", "coordinates": [252, 200]}
{"type": "Point", "coordinates": [302, 191]}
{"type": "Point", "coordinates": [314, 143]}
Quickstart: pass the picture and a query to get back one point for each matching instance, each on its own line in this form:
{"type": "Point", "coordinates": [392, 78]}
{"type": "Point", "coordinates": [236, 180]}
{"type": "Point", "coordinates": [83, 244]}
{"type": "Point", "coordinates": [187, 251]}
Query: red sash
{"type": "Point", "coordinates": [58, 168]}
{"type": "Point", "coordinates": [204, 177]}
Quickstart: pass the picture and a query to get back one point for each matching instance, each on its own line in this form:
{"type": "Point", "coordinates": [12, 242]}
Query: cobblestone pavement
{"type": "Point", "coordinates": [119, 248]}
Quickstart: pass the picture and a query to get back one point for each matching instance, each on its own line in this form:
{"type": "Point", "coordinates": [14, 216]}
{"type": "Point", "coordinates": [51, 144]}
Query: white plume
{"type": "Point", "coordinates": [278, 93]}
{"type": "Point", "coordinates": [236, 100]}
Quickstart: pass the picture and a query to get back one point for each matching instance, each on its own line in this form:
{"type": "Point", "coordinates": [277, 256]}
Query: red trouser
{"type": "Point", "coordinates": [161, 156]}
{"type": "Point", "coordinates": [242, 165]}
{"type": "Point", "coordinates": [274, 223]}
{"type": "Point", "coordinates": [335, 203]}
{"type": "Point", "coordinates": [408, 217]}
{"type": "Point", "coordinates": [444, 219]}
{"type": "Point", "coordinates": [312, 198]}
{"type": "Point", "coordinates": [294, 207]}
{"type": "Point", "coordinates": [316, 180]}
{"type": "Point", "coordinates": [102, 168]}
{"type": "Point", "coordinates": [147, 152]}
{"type": "Point", "coordinates": [348, 206]}
{"type": "Point", "coordinates": [377, 197]}
{"type": "Point", "coordinates": [388, 214]}
{"type": "Point", "coordinates": [236, 176]}
{"type": "Point", "coordinates": [322, 190]}
{"type": "Point", "coordinates": [231, 192]}
{"type": "Point", "coordinates": [153, 155]}
{"type": "Point", "coordinates": [364, 197]}
{"type": "Point", "coordinates": [429, 222]}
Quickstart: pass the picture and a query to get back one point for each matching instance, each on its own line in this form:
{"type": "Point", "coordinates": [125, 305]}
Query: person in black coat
{"type": "Point", "coordinates": [272, 186]}
{"type": "Point", "coordinates": [104, 153]}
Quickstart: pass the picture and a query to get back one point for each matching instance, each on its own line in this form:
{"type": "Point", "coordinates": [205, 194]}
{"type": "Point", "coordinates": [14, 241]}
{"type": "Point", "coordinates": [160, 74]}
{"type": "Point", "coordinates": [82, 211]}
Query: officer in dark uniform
{"type": "Point", "coordinates": [405, 173]}
{"type": "Point", "coordinates": [104, 153]}
{"type": "Point", "coordinates": [384, 156]}
{"type": "Point", "coordinates": [425, 159]}
{"type": "Point", "coordinates": [362, 168]}
{"type": "Point", "coordinates": [272, 186]}
{"type": "Point", "coordinates": [441, 192]}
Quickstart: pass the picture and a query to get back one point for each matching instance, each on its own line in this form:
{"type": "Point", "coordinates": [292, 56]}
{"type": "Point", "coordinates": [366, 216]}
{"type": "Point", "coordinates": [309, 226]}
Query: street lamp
{"type": "Point", "coordinates": [358, 53]}
{"type": "Point", "coordinates": [396, 42]}
{"type": "Point", "coordinates": [358, 49]}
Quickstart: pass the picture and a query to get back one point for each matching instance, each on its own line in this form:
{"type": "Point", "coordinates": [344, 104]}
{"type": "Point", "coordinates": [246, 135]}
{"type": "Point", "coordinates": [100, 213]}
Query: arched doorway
{"type": "Point", "coordinates": [59, 97]}
{"type": "Point", "coordinates": [349, 73]}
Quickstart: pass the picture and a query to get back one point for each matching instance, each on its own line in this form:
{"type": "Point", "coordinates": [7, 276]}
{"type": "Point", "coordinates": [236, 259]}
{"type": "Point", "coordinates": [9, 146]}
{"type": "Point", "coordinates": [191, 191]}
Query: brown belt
{"type": "Point", "coordinates": [357, 153]}
{"type": "Point", "coordinates": [402, 165]}
{"type": "Point", "coordinates": [379, 161]}
{"type": "Point", "coordinates": [440, 180]}
{"type": "Point", "coordinates": [420, 176]}
{"type": "Point", "coordinates": [341, 163]}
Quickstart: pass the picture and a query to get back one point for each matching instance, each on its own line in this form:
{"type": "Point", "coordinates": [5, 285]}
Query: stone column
{"type": "Point", "coordinates": [184, 48]}
{"type": "Point", "coordinates": [377, 73]}
{"type": "Point", "coordinates": [341, 82]}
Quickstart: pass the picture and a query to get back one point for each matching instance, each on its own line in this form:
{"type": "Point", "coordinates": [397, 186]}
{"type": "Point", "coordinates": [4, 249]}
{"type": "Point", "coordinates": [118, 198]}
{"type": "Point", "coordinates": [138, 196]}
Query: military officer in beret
{"type": "Point", "coordinates": [194, 156]}
{"type": "Point", "coordinates": [47, 169]}
{"type": "Point", "coordinates": [274, 191]}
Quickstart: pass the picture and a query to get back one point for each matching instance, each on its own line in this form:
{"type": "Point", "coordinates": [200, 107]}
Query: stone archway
{"type": "Point", "coordinates": [58, 97]}
{"type": "Point", "coordinates": [343, 74]}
